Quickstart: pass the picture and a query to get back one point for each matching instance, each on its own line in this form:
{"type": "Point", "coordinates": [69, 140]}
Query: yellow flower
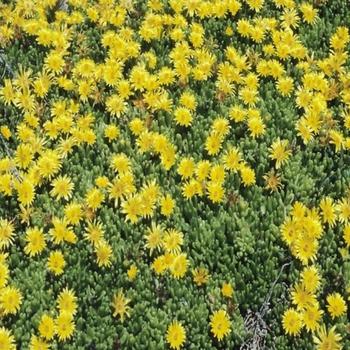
{"type": "Point", "coordinates": [6, 233]}
{"type": "Point", "coordinates": [328, 211]}
{"type": "Point", "coordinates": [213, 144]}
{"type": "Point", "coordinates": [56, 262]}
{"type": "Point", "coordinates": [306, 249]}
{"type": "Point", "coordinates": [111, 132]}
{"type": "Point", "coordinates": [220, 324]}
{"type": "Point", "coordinates": [26, 192]}
{"type": "Point", "coordinates": [232, 158]}
{"type": "Point", "coordinates": [327, 340]}
{"type": "Point", "coordinates": [309, 13]}
{"type": "Point", "coordinates": [179, 266]}
{"type": "Point", "coordinates": [336, 305]}
{"type": "Point", "coordinates": [10, 300]}
{"type": "Point", "coordinates": [35, 241]}
{"type": "Point", "coordinates": [279, 151]}
{"type": "Point", "coordinates": [94, 198]}
{"type": "Point", "coordinates": [346, 235]}
{"type": "Point", "coordinates": [247, 174]}
{"type": "Point", "coordinates": [172, 241]}
{"type": "Point", "coordinates": [343, 210]}
{"type": "Point", "coordinates": [64, 326]}
{"type": "Point", "coordinates": [49, 163]}
{"type": "Point", "coordinates": [310, 279]}
{"type": "Point", "coordinates": [159, 265]}
{"type": "Point", "coordinates": [302, 298]}
{"type": "Point", "coordinates": [200, 276]}
{"type": "Point", "coordinates": [154, 237]}
{"type": "Point", "coordinates": [47, 327]}
{"type": "Point", "coordinates": [73, 213]}
{"type": "Point", "coordinates": [103, 253]}
{"type": "Point", "coordinates": [176, 335]}
{"type": "Point", "coordinates": [4, 274]}
{"type": "Point", "coordinates": [167, 205]}
{"type": "Point", "coordinates": [67, 301]}
{"type": "Point", "coordinates": [132, 272]}
{"type": "Point", "coordinates": [183, 116]}
{"type": "Point", "coordinates": [186, 168]}
{"type": "Point", "coordinates": [132, 208]}
{"type": "Point", "coordinates": [292, 322]}
{"type": "Point", "coordinates": [227, 290]}
{"type": "Point", "coordinates": [256, 126]}
{"type": "Point", "coordinates": [120, 305]}
{"type": "Point", "coordinates": [5, 131]}
{"type": "Point", "coordinates": [215, 192]}
{"type": "Point", "coordinates": [7, 340]}
{"type": "Point", "coordinates": [311, 317]}
{"type": "Point", "coordinates": [37, 344]}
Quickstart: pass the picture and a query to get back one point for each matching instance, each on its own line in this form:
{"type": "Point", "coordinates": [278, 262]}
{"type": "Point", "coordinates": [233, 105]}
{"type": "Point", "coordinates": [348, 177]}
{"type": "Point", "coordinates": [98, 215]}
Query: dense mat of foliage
{"type": "Point", "coordinates": [174, 174]}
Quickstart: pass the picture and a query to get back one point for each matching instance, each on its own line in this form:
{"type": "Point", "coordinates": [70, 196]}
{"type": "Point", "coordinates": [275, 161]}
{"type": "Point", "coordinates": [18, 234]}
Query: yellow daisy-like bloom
{"type": "Point", "coordinates": [176, 335]}
{"type": "Point", "coordinates": [26, 192]}
{"type": "Point", "coordinates": [247, 174]}
{"type": "Point", "coordinates": [306, 249]}
{"type": "Point", "coordinates": [132, 272]}
{"type": "Point", "coordinates": [67, 301]}
{"type": "Point", "coordinates": [213, 144]}
{"type": "Point", "coordinates": [56, 262]}
{"type": "Point", "coordinates": [310, 279]}
{"type": "Point", "coordinates": [103, 254]}
{"type": "Point", "coordinates": [94, 232]}
{"type": "Point", "coordinates": [311, 317]}
{"type": "Point", "coordinates": [309, 13]}
{"type": "Point", "coordinates": [64, 326]}
{"type": "Point", "coordinates": [179, 266]}
{"type": "Point", "coordinates": [220, 324]}
{"type": "Point", "coordinates": [37, 344]}
{"type": "Point", "coordinates": [94, 198]}
{"type": "Point", "coordinates": [343, 210]}
{"type": "Point", "coordinates": [186, 168]}
{"type": "Point", "coordinates": [328, 211]}
{"type": "Point", "coordinates": [215, 192]}
{"type": "Point", "coordinates": [49, 163]}
{"type": "Point", "coordinates": [62, 187]}
{"type": "Point", "coordinates": [200, 276]}
{"type": "Point", "coordinates": [183, 116]}
{"type": "Point", "coordinates": [73, 213]}
{"type": "Point", "coordinates": [327, 340]}
{"type": "Point", "coordinates": [302, 298]}
{"type": "Point", "coordinates": [346, 235]}
{"type": "Point", "coordinates": [10, 300]}
{"type": "Point", "coordinates": [167, 204]}
{"type": "Point", "coordinates": [7, 340]}
{"type": "Point", "coordinates": [35, 241]}
{"type": "Point", "coordinates": [232, 159]}
{"type": "Point", "coordinates": [159, 265]}
{"type": "Point", "coordinates": [4, 274]}
{"type": "Point", "coordinates": [154, 237]}
{"type": "Point", "coordinates": [256, 126]}
{"type": "Point", "coordinates": [120, 305]}
{"type": "Point", "coordinates": [172, 241]}
{"type": "Point", "coordinates": [47, 327]}
{"type": "Point", "coordinates": [6, 233]}
{"type": "Point", "coordinates": [132, 208]}
{"type": "Point", "coordinates": [292, 322]}
{"type": "Point", "coordinates": [336, 305]}
{"type": "Point", "coordinates": [227, 290]}
{"type": "Point", "coordinates": [279, 151]}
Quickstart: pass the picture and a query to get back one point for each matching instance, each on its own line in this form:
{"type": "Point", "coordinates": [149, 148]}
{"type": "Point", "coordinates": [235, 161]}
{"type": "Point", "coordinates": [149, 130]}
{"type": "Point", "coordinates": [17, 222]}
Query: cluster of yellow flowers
{"type": "Point", "coordinates": [302, 232]}
{"type": "Point", "coordinates": [147, 102]}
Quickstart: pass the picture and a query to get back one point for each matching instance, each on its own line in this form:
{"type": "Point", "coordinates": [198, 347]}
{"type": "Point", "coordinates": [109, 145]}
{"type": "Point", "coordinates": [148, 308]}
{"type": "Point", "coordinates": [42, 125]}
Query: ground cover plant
{"type": "Point", "coordinates": [174, 174]}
